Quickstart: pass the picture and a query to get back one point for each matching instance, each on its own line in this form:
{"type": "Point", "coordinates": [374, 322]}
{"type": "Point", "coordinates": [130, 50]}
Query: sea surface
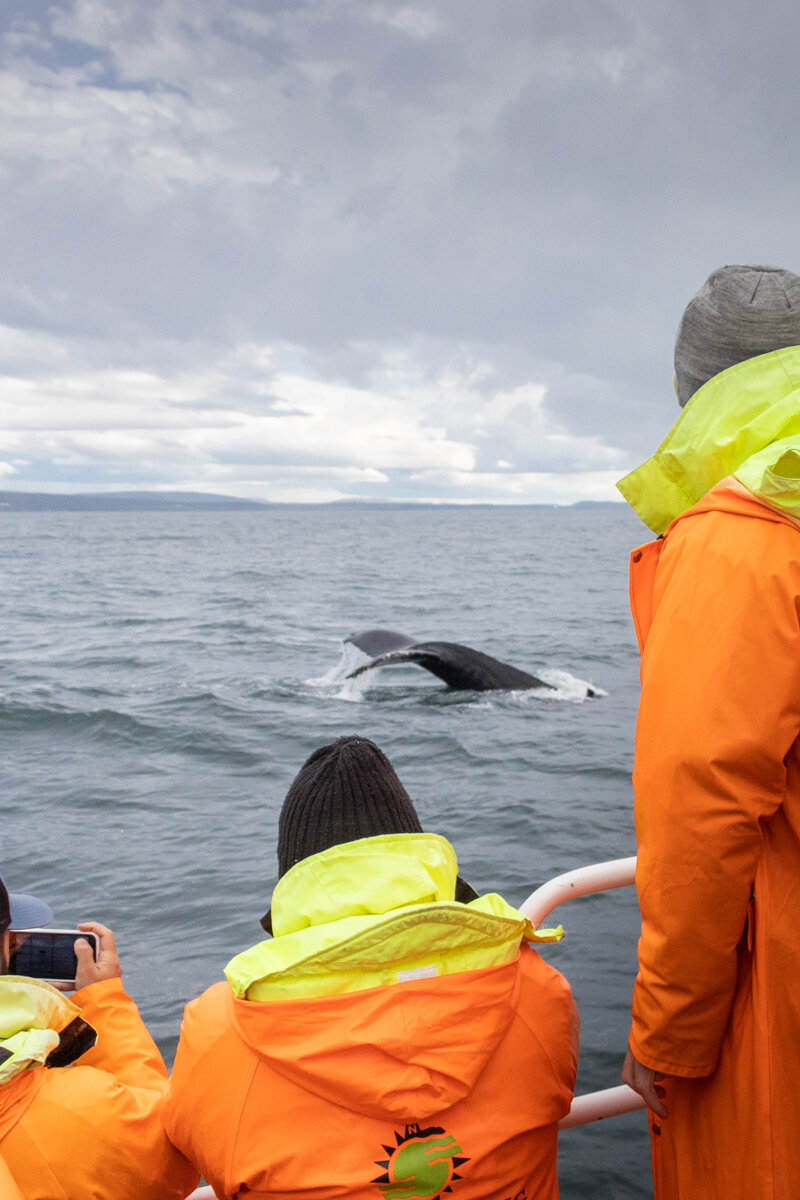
{"type": "Point", "coordinates": [163, 676]}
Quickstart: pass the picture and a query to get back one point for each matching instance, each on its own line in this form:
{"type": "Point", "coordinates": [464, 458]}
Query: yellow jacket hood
{"type": "Point", "coordinates": [744, 422]}
{"type": "Point", "coordinates": [372, 913]}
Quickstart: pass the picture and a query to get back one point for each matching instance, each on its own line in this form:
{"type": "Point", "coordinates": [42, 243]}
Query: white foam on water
{"type": "Point", "coordinates": [566, 685]}
{"type": "Point", "coordinates": [351, 658]}
{"type": "Point", "coordinates": [351, 690]}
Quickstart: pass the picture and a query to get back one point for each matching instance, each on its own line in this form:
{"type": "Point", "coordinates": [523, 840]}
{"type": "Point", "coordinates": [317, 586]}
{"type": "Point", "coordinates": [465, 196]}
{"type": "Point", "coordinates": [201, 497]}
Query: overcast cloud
{"type": "Point", "coordinates": [309, 249]}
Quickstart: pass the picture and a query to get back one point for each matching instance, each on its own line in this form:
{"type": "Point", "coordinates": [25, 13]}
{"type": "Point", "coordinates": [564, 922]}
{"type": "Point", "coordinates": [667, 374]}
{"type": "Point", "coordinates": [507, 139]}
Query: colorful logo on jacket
{"type": "Point", "coordinates": [422, 1164]}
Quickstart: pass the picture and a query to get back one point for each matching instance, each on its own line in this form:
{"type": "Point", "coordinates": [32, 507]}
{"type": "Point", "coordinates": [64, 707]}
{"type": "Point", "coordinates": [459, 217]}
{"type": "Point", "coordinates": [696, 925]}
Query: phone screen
{"type": "Point", "coordinates": [45, 953]}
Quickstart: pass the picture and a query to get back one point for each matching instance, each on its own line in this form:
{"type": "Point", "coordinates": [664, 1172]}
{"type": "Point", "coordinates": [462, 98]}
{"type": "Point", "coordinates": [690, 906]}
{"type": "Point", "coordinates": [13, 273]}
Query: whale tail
{"type": "Point", "coordinates": [460, 667]}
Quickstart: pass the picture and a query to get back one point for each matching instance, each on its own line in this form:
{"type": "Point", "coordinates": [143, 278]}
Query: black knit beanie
{"type": "Point", "coordinates": [344, 791]}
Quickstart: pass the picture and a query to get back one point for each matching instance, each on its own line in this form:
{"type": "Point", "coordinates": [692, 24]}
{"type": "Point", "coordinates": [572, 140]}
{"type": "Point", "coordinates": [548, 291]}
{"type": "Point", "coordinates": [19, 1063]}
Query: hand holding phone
{"type": "Point", "coordinates": [68, 958]}
{"type": "Point", "coordinates": [47, 954]}
{"type": "Point", "coordinates": [106, 965]}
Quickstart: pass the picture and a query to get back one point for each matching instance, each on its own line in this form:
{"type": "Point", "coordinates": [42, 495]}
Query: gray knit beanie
{"type": "Point", "coordinates": [739, 312]}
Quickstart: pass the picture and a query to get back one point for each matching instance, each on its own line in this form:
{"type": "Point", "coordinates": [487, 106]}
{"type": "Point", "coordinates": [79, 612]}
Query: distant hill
{"type": "Point", "coordinates": [597, 503]}
{"type": "Point", "coordinates": [122, 502]}
{"type": "Point", "coordinates": [197, 501]}
{"type": "Point", "coordinates": [376, 503]}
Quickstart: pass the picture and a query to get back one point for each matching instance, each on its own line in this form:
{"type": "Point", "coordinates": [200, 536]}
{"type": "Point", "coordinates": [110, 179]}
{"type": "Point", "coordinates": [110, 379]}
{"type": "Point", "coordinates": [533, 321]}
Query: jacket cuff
{"type": "Point", "coordinates": [668, 1066]}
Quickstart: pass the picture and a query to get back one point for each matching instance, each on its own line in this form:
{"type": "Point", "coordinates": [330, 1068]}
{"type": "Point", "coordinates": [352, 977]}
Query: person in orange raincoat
{"type": "Point", "coordinates": [715, 1040]}
{"type": "Point", "coordinates": [397, 1038]}
{"type": "Point", "coordinates": [81, 1082]}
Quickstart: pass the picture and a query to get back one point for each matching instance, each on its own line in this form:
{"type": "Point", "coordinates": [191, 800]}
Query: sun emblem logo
{"type": "Point", "coordinates": [422, 1164]}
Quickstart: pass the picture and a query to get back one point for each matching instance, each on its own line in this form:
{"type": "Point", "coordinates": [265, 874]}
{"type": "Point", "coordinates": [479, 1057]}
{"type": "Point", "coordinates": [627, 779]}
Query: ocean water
{"type": "Point", "coordinates": [164, 676]}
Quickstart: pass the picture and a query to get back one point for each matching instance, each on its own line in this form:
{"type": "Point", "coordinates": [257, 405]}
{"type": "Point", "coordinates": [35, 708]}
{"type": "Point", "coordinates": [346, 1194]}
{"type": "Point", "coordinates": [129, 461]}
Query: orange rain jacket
{"type": "Point", "coordinates": [92, 1130]}
{"type": "Point", "coordinates": [717, 798]}
{"type": "Point", "coordinates": [8, 1188]}
{"type": "Point", "coordinates": [429, 1085]}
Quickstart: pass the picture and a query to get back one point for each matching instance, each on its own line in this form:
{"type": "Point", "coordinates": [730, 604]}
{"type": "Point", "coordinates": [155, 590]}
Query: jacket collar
{"type": "Point", "coordinates": [744, 422]}
{"type": "Point", "coordinates": [38, 1023]}
{"type": "Point", "coordinates": [364, 914]}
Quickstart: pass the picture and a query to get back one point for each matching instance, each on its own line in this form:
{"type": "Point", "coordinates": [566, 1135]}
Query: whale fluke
{"type": "Point", "coordinates": [378, 641]}
{"type": "Point", "coordinates": [458, 666]}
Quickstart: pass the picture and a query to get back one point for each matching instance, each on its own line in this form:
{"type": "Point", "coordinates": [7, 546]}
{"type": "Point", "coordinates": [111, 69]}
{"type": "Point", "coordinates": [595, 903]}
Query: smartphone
{"type": "Point", "coordinates": [47, 954]}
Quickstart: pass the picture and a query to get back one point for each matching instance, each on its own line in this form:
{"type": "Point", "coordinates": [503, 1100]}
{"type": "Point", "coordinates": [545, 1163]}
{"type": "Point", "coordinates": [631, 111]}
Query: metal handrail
{"type": "Point", "coordinates": [584, 881]}
{"type": "Point", "coordinates": [597, 1106]}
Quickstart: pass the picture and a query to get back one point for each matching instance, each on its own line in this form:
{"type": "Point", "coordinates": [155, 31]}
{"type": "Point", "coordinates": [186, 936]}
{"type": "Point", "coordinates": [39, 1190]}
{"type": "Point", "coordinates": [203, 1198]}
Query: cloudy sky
{"type": "Point", "coordinates": [311, 249]}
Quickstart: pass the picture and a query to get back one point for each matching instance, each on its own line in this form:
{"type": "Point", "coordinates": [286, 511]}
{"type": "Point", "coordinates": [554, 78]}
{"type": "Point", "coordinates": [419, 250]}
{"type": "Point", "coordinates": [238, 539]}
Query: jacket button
{"type": "Point", "coordinates": [637, 556]}
{"type": "Point", "coordinates": [656, 1128]}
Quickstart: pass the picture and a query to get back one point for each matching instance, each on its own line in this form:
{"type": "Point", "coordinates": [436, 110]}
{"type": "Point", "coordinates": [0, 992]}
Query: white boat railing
{"type": "Point", "coordinates": [583, 881]}
{"type": "Point", "coordinates": [599, 877]}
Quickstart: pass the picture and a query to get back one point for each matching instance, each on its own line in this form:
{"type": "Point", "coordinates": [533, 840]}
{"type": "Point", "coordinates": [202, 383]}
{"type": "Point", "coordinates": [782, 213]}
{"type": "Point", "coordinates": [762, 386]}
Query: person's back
{"type": "Point", "coordinates": [390, 1040]}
